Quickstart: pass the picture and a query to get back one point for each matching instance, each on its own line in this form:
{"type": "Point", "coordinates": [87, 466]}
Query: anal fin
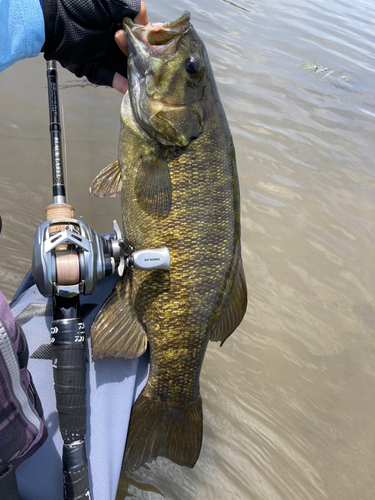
{"type": "Point", "coordinates": [234, 308]}
{"type": "Point", "coordinates": [117, 331]}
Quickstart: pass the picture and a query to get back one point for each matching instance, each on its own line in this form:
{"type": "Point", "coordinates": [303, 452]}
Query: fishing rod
{"type": "Point", "coordinates": [69, 258]}
{"type": "Point", "coordinates": [67, 330]}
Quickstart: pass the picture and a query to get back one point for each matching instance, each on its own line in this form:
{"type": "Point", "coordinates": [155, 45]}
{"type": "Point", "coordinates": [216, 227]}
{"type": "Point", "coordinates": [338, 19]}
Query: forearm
{"type": "Point", "coordinates": [85, 36]}
{"type": "Point", "coordinates": [21, 30]}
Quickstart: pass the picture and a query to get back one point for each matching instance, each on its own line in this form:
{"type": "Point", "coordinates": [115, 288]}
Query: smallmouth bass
{"type": "Point", "coordinates": [177, 177]}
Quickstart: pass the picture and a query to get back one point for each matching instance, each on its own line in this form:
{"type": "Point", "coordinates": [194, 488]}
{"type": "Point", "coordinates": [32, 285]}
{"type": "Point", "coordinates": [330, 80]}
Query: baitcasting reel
{"type": "Point", "coordinates": [69, 258]}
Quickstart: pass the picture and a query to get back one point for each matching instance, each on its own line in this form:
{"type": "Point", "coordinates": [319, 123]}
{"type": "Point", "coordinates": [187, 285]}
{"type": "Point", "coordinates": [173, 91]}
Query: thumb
{"type": "Point", "coordinates": [120, 39]}
{"type": "Point", "coordinates": [120, 83]}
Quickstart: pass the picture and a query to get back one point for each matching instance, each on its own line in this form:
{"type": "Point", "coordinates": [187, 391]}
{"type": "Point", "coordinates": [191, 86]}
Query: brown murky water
{"type": "Point", "coordinates": [289, 400]}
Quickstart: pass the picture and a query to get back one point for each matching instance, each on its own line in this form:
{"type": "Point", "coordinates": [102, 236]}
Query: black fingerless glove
{"type": "Point", "coordinates": [80, 35]}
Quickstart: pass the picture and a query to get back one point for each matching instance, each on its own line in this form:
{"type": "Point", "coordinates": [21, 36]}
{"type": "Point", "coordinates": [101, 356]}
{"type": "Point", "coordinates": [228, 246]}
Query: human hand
{"type": "Point", "coordinates": [119, 82]}
{"type": "Point", "coordinates": [80, 35]}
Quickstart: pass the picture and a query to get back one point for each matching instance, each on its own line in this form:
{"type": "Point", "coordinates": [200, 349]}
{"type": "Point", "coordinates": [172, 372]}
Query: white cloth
{"type": "Point", "coordinates": [112, 387]}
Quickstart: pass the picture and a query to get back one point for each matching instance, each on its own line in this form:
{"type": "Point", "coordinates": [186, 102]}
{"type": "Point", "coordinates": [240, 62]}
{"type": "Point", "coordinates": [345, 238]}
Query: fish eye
{"type": "Point", "coordinates": [192, 65]}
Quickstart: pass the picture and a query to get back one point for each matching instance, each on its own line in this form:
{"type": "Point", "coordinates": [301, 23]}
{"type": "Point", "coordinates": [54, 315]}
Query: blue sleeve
{"type": "Point", "coordinates": [21, 30]}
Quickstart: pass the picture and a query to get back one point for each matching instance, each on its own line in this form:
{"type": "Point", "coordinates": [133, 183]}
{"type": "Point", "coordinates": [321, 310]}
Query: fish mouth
{"type": "Point", "coordinates": [157, 39]}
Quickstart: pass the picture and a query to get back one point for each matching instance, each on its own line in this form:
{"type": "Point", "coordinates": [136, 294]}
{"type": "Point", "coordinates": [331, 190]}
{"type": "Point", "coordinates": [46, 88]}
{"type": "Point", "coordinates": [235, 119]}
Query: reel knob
{"type": "Point", "coordinates": [147, 260]}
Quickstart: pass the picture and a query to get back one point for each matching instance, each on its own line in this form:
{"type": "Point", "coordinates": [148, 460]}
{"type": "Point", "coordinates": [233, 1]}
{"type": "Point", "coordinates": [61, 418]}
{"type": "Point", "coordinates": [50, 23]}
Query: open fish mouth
{"type": "Point", "coordinates": [159, 37]}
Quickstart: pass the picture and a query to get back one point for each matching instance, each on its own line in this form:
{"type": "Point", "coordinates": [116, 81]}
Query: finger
{"type": "Point", "coordinates": [120, 83]}
{"type": "Point", "coordinates": [120, 39]}
{"type": "Point", "coordinates": [141, 17]}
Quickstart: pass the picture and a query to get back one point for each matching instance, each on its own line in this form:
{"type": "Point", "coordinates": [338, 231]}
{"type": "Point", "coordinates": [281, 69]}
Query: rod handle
{"type": "Point", "coordinates": [75, 470]}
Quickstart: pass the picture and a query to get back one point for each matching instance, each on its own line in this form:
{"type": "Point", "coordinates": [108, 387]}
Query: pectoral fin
{"type": "Point", "coordinates": [234, 308]}
{"type": "Point", "coordinates": [107, 182]}
{"type": "Point", "coordinates": [117, 331]}
{"type": "Point", "coordinates": [153, 185]}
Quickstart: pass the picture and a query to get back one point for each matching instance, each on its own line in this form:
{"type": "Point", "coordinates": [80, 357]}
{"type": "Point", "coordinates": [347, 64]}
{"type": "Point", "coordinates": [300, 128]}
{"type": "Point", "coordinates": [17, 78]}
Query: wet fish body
{"type": "Point", "coordinates": [178, 181]}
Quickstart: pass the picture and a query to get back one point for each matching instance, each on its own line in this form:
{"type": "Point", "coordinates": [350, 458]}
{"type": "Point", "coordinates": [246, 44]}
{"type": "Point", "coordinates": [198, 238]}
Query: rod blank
{"type": "Point", "coordinates": [59, 195]}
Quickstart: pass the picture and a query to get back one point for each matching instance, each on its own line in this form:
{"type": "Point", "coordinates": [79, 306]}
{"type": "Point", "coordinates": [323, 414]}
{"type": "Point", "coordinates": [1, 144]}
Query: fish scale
{"type": "Point", "coordinates": [179, 189]}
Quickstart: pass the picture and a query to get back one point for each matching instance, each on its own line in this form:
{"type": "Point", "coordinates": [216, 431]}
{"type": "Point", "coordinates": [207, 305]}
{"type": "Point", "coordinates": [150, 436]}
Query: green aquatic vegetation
{"type": "Point", "coordinates": [314, 67]}
{"type": "Point", "coordinates": [334, 77]}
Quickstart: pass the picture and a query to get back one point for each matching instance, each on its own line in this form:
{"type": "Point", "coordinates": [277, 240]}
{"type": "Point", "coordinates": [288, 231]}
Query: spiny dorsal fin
{"type": "Point", "coordinates": [159, 430]}
{"type": "Point", "coordinates": [117, 331]}
{"type": "Point", "coordinates": [107, 182]}
{"type": "Point", "coordinates": [153, 185]}
{"type": "Point", "coordinates": [234, 309]}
